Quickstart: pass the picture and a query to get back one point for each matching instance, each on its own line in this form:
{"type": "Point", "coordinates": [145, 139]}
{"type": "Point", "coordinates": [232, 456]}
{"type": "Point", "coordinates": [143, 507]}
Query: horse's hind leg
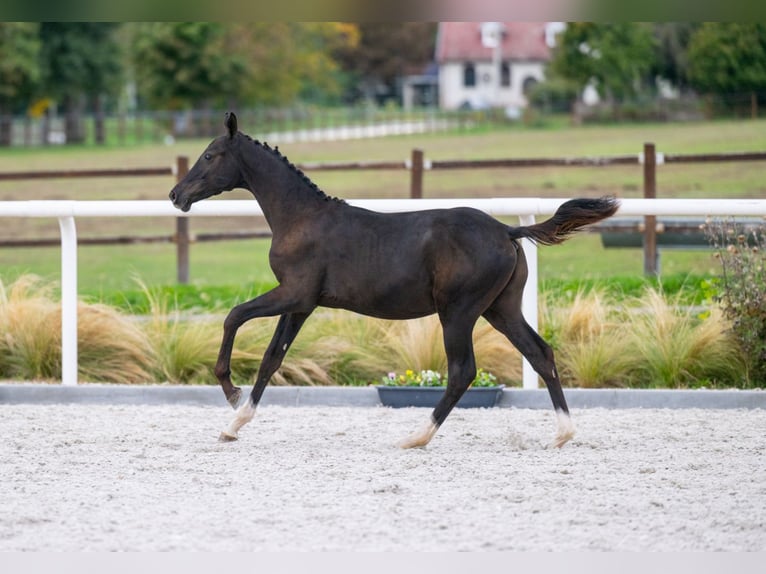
{"type": "Point", "coordinates": [461, 363]}
{"type": "Point", "coordinates": [540, 355]}
{"type": "Point", "coordinates": [286, 331]}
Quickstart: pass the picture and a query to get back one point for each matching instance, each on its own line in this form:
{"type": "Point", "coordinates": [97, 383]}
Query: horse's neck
{"type": "Point", "coordinates": [283, 194]}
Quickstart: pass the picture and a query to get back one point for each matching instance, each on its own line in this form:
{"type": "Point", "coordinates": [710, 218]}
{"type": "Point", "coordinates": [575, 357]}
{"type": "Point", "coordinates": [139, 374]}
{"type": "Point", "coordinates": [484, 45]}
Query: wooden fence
{"type": "Point", "coordinates": [417, 165]}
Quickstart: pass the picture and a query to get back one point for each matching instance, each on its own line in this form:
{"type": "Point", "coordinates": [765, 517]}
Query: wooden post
{"type": "Point", "coordinates": [650, 221]}
{"type": "Point", "coordinates": [416, 174]}
{"type": "Point", "coordinates": [182, 229]}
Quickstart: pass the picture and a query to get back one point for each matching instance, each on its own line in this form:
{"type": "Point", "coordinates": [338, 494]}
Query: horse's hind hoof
{"type": "Point", "coordinates": [224, 437]}
{"type": "Point", "coordinates": [235, 397]}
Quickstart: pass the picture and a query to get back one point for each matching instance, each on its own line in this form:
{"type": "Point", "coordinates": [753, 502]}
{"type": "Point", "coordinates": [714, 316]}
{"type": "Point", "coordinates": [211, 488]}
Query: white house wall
{"type": "Point", "coordinates": [453, 94]}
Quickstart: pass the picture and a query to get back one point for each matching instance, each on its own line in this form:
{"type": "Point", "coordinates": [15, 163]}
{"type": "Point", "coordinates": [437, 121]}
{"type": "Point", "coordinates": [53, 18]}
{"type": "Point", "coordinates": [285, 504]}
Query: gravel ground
{"type": "Point", "coordinates": [140, 478]}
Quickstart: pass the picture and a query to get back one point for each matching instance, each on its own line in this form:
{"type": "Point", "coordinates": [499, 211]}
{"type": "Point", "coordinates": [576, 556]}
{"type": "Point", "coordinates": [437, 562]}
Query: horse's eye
{"type": "Point", "coordinates": [207, 156]}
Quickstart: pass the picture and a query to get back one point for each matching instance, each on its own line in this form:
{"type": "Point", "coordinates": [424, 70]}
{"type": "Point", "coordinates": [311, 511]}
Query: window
{"type": "Point", "coordinates": [528, 84]}
{"type": "Point", "coordinates": [505, 74]}
{"type": "Point", "coordinates": [469, 74]}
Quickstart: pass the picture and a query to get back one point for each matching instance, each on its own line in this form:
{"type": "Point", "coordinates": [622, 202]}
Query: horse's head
{"type": "Point", "coordinates": [217, 170]}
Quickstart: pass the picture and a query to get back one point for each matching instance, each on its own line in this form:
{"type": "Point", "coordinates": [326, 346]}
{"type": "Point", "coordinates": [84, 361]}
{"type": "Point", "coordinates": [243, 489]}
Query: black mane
{"type": "Point", "coordinates": [306, 179]}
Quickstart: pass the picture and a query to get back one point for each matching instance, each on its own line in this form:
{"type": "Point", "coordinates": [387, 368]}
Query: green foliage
{"type": "Point", "coordinates": [741, 288]}
{"type": "Point", "coordinates": [183, 64]}
{"type": "Point", "coordinates": [19, 63]}
{"type": "Point", "coordinates": [616, 55]}
{"type": "Point", "coordinates": [81, 61]}
{"type": "Point", "coordinates": [385, 50]}
{"type": "Point", "coordinates": [728, 57]}
{"type": "Point", "coordinates": [178, 64]}
{"type": "Point", "coordinates": [672, 45]}
{"type": "Point", "coordinates": [80, 58]}
{"type": "Point", "coordinates": [554, 95]}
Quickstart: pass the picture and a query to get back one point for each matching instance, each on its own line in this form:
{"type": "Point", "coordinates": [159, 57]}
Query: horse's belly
{"type": "Point", "coordinates": [407, 300]}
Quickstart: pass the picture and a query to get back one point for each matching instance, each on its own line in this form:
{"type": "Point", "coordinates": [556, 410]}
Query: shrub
{"type": "Point", "coordinates": [741, 288]}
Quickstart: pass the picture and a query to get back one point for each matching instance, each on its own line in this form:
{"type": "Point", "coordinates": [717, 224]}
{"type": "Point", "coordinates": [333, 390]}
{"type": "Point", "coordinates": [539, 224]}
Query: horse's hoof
{"type": "Point", "coordinates": [561, 440]}
{"type": "Point", "coordinates": [235, 397]}
{"type": "Point", "coordinates": [225, 437]}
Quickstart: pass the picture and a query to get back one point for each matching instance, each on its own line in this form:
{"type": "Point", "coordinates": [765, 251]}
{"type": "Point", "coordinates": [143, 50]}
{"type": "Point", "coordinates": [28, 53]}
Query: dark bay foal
{"type": "Point", "coordinates": [459, 263]}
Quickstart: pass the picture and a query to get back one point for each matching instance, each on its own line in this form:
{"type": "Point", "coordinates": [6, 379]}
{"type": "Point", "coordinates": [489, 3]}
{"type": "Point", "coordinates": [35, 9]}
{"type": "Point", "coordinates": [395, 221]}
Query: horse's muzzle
{"type": "Point", "coordinates": [182, 205]}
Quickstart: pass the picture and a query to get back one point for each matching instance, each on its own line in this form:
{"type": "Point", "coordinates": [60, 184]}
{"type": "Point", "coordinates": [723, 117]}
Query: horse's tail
{"type": "Point", "coordinates": [569, 218]}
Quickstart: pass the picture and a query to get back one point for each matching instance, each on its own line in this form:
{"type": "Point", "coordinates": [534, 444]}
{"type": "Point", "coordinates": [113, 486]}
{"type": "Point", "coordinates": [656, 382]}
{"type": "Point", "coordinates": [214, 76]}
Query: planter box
{"type": "Point", "coordinates": [398, 397]}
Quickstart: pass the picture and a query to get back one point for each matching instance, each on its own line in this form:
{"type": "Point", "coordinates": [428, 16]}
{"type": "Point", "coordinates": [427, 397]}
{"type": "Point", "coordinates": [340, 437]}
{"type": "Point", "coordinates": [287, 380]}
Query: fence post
{"type": "Point", "coordinates": [416, 174]}
{"type": "Point", "coordinates": [529, 306]}
{"type": "Point", "coordinates": [69, 358]}
{"type": "Point", "coordinates": [650, 221]}
{"type": "Point", "coordinates": [182, 229]}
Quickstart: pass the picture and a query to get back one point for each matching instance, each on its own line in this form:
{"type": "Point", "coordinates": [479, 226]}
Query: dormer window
{"type": "Point", "coordinates": [492, 34]}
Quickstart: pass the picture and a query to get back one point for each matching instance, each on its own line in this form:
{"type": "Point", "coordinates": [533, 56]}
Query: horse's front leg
{"type": "Point", "coordinates": [287, 329]}
{"type": "Point", "coordinates": [270, 304]}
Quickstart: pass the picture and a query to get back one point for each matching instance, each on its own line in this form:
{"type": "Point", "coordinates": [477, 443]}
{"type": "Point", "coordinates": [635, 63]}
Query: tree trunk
{"type": "Point", "coordinates": [6, 127]}
{"type": "Point", "coordinates": [73, 123]}
{"type": "Point", "coordinates": [98, 111]}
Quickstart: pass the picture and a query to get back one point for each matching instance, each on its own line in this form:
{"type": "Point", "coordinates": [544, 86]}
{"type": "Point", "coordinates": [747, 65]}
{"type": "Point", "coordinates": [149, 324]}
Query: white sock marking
{"type": "Point", "coordinates": [566, 429]}
{"type": "Point", "coordinates": [420, 438]}
{"type": "Point", "coordinates": [244, 415]}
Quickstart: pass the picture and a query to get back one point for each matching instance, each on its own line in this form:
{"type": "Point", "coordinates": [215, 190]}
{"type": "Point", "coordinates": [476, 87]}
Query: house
{"type": "Point", "coordinates": [492, 64]}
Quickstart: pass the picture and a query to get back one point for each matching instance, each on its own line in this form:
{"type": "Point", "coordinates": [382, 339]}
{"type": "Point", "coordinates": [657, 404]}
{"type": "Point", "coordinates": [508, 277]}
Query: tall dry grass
{"type": "Point", "coordinates": [30, 324]}
{"type": "Point", "coordinates": [590, 343]}
{"type": "Point", "coordinates": [111, 347]}
{"type": "Point", "coordinates": [650, 341]}
{"type": "Point", "coordinates": [675, 347]}
{"type": "Point", "coordinates": [373, 347]}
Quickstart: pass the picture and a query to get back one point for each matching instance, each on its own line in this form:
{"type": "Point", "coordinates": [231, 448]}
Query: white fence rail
{"type": "Point", "coordinates": [525, 208]}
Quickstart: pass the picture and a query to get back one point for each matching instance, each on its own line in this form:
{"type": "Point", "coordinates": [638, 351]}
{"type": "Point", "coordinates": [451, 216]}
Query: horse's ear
{"type": "Point", "coordinates": [231, 124]}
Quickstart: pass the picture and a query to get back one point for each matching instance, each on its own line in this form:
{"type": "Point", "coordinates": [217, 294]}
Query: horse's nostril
{"type": "Point", "coordinates": [172, 196]}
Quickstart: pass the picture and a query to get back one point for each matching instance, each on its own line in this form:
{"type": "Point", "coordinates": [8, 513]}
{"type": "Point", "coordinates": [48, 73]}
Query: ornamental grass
{"type": "Point", "coordinates": [599, 341]}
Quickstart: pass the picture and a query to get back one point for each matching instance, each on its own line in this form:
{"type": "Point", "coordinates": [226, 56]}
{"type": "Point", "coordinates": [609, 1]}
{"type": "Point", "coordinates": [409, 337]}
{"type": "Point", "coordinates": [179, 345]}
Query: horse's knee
{"type": "Point", "coordinates": [222, 372]}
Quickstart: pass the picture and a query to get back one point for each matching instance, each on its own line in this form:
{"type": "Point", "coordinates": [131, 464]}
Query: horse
{"type": "Point", "coordinates": [459, 263]}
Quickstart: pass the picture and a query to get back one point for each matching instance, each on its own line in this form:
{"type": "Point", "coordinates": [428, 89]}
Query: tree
{"type": "Point", "coordinates": [727, 58]}
{"type": "Point", "coordinates": [291, 60]}
{"type": "Point", "coordinates": [615, 56]}
{"type": "Point", "coordinates": [192, 64]}
{"type": "Point", "coordinates": [386, 51]}
{"type": "Point", "coordinates": [181, 64]}
{"type": "Point", "coordinates": [672, 46]}
{"type": "Point", "coordinates": [81, 61]}
{"type": "Point", "coordinates": [19, 70]}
